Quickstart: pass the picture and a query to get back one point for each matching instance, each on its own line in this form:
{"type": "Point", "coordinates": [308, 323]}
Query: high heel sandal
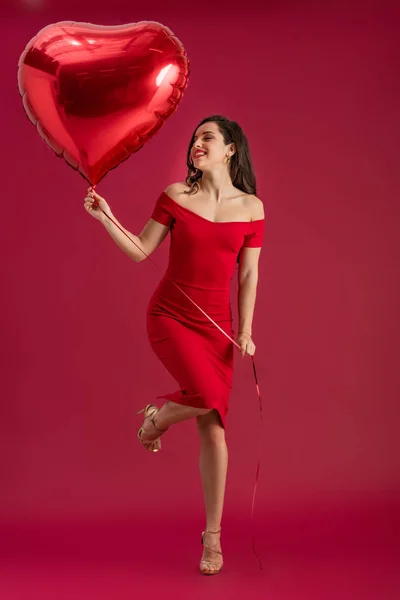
{"type": "Point", "coordinates": [208, 567]}
{"type": "Point", "coordinates": [150, 412]}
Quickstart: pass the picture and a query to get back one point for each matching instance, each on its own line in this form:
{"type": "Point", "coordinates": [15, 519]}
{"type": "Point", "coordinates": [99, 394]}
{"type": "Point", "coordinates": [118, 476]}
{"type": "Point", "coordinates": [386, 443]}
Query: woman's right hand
{"type": "Point", "coordinates": [93, 203]}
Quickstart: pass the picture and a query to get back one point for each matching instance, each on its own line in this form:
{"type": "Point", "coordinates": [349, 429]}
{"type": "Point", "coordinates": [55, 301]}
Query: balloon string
{"type": "Point", "coordinates": [258, 463]}
{"type": "Point", "coordinates": [237, 346]}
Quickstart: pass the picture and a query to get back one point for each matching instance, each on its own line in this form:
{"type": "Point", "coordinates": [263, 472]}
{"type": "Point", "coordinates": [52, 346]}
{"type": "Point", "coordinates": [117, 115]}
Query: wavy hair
{"type": "Point", "coordinates": [240, 165]}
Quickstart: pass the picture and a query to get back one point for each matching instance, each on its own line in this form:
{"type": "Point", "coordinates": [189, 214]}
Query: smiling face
{"type": "Point", "coordinates": [209, 149]}
{"type": "Point", "coordinates": [215, 140]}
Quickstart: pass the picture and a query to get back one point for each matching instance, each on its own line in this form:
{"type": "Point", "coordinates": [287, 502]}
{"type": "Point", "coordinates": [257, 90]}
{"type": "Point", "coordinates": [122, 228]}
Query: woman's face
{"type": "Point", "coordinates": [209, 149]}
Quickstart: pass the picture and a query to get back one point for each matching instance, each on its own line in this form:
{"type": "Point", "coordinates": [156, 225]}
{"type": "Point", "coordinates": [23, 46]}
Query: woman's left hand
{"type": "Point", "coordinates": [246, 344]}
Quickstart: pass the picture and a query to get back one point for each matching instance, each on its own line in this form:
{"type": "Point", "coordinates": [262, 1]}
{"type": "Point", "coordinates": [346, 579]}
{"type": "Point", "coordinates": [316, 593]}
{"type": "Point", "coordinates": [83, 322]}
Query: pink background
{"type": "Point", "coordinates": [316, 89]}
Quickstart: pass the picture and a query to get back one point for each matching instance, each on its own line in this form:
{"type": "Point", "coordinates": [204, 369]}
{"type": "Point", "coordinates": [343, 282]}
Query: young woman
{"type": "Point", "coordinates": [215, 221]}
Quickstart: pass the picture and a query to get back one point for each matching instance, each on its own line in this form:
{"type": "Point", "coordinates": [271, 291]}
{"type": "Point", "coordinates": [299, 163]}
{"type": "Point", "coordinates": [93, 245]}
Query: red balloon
{"type": "Point", "coordinates": [97, 93]}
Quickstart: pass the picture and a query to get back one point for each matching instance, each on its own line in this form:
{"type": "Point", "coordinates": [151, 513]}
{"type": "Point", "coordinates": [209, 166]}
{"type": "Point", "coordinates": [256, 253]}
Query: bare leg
{"type": "Point", "coordinates": [213, 465]}
{"type": "Point", "coordinates": [169, 414]}
{"type": "Point", "coordinates": [172, 413]}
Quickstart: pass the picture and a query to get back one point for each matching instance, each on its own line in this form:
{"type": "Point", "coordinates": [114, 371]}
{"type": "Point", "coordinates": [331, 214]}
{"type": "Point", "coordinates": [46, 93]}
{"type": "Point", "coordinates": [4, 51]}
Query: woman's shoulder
{"type": "Point", "coordinates": [175, 190]}
{"type": "Point", "coordinates": [256, 207]}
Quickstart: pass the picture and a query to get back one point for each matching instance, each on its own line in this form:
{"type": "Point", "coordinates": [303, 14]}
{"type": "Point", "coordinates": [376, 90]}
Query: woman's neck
{"type": "Point", "coordinates": [217, 184]}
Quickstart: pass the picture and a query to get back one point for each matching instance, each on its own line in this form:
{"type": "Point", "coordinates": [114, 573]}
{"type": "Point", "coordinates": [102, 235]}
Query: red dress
{"type": "Point", "coordinates": [202, 259]}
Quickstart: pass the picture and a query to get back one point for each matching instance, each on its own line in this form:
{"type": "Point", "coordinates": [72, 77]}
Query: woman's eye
{"type": "Point", "coordinates": [205, 138]}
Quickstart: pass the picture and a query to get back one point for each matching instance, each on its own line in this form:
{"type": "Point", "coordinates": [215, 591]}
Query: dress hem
{"type": "Point", "coordinates": [192, 400]}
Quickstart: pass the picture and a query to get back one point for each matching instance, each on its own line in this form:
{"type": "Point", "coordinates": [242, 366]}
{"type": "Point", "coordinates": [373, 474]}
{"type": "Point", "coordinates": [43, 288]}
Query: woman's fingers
{"type": "Point", "coordinates": [251, 349]}
{"type": "Point", "coordinates": [92, 199]}
{"type": "Point", "coordinates": [247, 347]}
{"type": "Point", "coordinates": [92, 194]}
{"type": "Point", "coordinates": [90, 203]}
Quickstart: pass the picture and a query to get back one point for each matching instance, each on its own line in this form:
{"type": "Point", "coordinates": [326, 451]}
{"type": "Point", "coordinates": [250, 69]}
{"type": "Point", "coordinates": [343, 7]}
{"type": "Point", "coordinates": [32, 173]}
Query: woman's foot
{"type": "Point", "coordinates": [211, 561]}
{"type": "Point", "coordinates": [149, 434]}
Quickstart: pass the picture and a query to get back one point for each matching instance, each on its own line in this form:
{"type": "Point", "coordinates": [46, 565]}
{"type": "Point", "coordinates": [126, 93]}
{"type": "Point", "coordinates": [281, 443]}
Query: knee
{"type": "Point", "coordinates": [211, 433]}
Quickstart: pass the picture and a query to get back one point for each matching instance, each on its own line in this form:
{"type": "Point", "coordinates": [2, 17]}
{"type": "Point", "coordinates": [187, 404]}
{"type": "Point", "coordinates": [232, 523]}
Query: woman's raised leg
{"type": "Point", "coordinates": [157, 421]}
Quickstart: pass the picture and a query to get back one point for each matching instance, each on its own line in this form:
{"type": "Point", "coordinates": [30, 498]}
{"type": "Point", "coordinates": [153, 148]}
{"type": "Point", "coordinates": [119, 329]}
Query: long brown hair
{"type": "Point", "coordinates": [240, 165]}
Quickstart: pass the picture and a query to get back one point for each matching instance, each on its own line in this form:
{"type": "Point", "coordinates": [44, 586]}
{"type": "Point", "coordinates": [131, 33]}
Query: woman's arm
{"type": "Point", "coordinates": [247, 279]}
{"type": "Point", "coordinates": [143, 244]}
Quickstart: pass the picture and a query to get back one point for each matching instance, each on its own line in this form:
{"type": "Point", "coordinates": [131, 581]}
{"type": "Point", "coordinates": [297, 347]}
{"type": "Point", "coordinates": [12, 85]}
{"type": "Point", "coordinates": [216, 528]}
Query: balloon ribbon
{"type": "Point", "coordinates": [237, 346]}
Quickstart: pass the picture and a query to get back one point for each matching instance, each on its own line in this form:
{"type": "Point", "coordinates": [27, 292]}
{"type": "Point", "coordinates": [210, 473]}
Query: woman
{"type": "Point", "coordinates": [215, 221]}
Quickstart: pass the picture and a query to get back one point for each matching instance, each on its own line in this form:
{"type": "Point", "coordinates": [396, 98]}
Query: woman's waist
{"type": "Point", "coordinates": [199, 277]}
{"type": "Point", "coordinates": [201, 290]}
{"type": "Point", "coordinates": [183, 298]}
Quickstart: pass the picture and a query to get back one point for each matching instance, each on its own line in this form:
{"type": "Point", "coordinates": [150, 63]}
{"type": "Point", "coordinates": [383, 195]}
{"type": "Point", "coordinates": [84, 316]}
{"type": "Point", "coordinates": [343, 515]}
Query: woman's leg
{"type": "Point", "coordinates": [213, 465]}
{"type": "Point", "coordinates": [169, 414]}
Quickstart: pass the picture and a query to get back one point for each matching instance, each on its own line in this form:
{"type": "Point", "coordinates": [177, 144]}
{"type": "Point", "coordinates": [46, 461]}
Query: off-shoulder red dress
{"type": "Point", "coordinates": [202, 258]}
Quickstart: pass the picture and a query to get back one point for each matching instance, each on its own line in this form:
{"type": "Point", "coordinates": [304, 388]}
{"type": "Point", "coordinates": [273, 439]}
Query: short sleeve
{"type": "Point", "coordinates": [162, 212]}
{"type": "Point", "coordinates": [254, 239]}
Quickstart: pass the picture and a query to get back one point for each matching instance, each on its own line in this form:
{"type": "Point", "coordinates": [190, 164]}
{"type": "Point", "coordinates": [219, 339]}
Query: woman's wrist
{"type": "Point", "coordinates": [244, 332]}
{"type": "Point", "coordinates": [106, 218]}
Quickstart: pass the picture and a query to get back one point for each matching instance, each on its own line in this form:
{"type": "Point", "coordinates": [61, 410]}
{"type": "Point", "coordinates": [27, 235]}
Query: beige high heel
{"type": "Point", "coordinates": [150, 412]}
{"type": "Point", "coordinates": [208, 567]}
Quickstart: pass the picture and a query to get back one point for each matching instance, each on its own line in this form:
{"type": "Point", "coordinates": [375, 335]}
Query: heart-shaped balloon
{"type": "Point", "coordinates": [97, 93]}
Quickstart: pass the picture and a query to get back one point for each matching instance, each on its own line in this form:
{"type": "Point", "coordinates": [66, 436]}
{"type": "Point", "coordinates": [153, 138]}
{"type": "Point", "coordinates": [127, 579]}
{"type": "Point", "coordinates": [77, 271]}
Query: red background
{"type": "Point", "coordinates": [315, 87]}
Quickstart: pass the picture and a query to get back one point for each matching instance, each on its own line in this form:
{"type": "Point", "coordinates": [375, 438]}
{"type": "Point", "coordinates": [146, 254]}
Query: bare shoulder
{"type": "Point", "coordinates": [175, 190]}
{"type": "Point", "coordinates": [256, 207]}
